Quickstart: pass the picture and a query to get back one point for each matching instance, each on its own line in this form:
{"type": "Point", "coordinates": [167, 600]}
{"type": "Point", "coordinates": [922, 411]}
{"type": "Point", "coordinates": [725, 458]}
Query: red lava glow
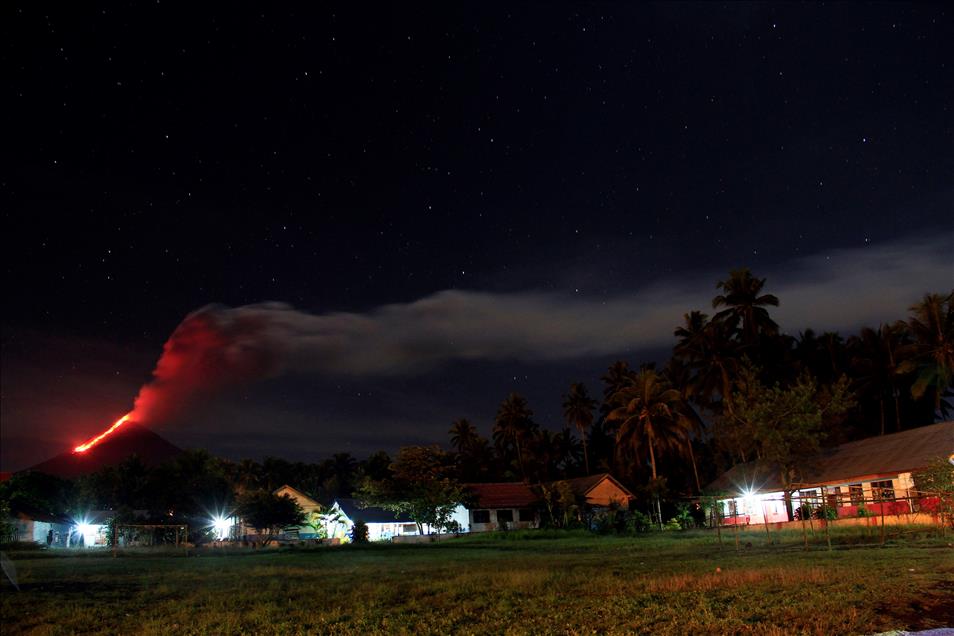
{"type": "Point", "coordinates": [85, 446]}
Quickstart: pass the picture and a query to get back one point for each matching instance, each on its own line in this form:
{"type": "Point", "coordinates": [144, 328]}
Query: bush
{"type": "Point", "coordinates": [826, 512]}
{"type": "Point", "coordinates": [637, 522]}
{"type": "Point", "coordinates": [603, 522]}
{"type": "Point", "coordinates": [359, 532]}
{"type": "Point", "coordinates": [683, 517]}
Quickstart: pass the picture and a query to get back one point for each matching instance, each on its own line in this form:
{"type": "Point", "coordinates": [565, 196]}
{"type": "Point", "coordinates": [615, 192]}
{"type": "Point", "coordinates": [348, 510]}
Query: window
{"type": "Point", "coordinates": [857, 494]}
{"type": "Point", "coordinates": [505, 516]}
{"type": "Point", "coordinates": [526, 514]}
{"type": "Point", "coordinates": [409, 528]}
{"type": "Point", "coordinates": [481, 516]}
{"type": "Point", "coordinates": [834, 497]}
{"type": "Point", "coordinates": [809, 497]}
{"type": "Point", "coordinates": [882, 490]}
{"type": "Point", "coordinates": [733, 508]}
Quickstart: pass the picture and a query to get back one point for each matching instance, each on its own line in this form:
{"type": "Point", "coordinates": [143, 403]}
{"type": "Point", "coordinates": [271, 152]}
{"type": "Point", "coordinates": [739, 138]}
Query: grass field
{"type": "Point", "coordinates": [667, 583]}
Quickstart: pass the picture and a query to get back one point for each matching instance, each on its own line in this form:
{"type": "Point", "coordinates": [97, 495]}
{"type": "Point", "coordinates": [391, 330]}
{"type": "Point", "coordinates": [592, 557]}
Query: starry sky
{"type": "Point", "coordinates": [479, 198]}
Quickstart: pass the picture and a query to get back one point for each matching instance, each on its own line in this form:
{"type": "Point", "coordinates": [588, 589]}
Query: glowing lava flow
{"type": "Point", "coordinates": [85, 446]}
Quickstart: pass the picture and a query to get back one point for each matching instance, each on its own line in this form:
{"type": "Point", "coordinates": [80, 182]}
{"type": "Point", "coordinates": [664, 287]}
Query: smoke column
{"type": "Point", "coordinates": [217, 346]}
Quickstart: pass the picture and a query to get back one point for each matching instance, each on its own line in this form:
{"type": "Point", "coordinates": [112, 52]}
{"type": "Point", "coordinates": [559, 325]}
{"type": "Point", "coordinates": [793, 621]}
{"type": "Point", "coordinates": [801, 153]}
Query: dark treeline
{"type": "Point", "coordinates": [735, 389]}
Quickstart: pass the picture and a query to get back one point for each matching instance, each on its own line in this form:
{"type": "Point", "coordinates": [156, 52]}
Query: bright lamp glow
{"type": "Point", "coordinates": [221, 526]}
{"type": "Point", "coordinates": [88, 531]}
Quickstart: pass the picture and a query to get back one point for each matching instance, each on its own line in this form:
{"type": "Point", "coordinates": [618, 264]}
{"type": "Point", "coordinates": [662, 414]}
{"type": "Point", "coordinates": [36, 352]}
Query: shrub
{"type": "Point", "coordinates": [683, 517]}
{"type": "Point", "coordinates": [637, 522]}
{"type": "Point", "coordinates": [603, 522]}
{"type": "Point", "coordinates": [359, 532]}
{"type": "Point", "coordinates": [826, 512]}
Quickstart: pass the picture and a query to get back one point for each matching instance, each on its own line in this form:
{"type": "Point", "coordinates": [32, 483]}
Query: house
{"type": "Point", "coordinates": [600, 491]}
{"type": "Point", "coordinates": [40, 527]}
{"type": "Point", "coordinates": [507, 505]}
{"type": "Point", "coordinates": [517, 505]}
{"type": "Point", "coordinates": [876, 474]}
{"type": "Point", "coordinates": [383, 525]}
{"type": "Point", "coordinates": [313, 514]}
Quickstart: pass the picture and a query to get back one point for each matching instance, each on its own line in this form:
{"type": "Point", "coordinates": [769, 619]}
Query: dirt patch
{"type": "Point", "coordinates": [933, 608]}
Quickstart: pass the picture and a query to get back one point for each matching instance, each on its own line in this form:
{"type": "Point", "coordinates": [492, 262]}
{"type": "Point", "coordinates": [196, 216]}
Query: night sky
{"type": "Point", "coordinates": [474, 199]}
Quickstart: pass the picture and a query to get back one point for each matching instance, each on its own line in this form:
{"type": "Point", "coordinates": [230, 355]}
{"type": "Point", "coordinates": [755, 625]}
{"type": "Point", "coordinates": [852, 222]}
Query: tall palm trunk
{"type": "Point", "coordinates": [897, 410]}
{"type": "Point", "coordinates": [586, 457]}
{"type": "Point", "coordinates": [881, 408]}
{"type": "Point", "coordinates": [652, 462]}
{"type": "Point", "coordinates": [695, 471]}
{"type": "Point", "coordinates": [652, 458]}
{"type": "Point", "coordinates": [523, 470]}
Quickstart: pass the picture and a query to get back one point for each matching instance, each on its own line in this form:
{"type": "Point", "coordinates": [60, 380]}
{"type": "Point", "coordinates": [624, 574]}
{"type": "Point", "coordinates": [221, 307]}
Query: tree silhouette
{"type": "Point", "coordinates": [512, 425]}
{"type": "Point", "coordinates": [875, 360]}
{"type": "Point", "coordinates": [745, 306]}
{"type": "Point", "coordinates": [932, 353]}
{"type": "Point", "coordinates": [578, 409]}
{"type": "Point", "coordinates": [649, 415]}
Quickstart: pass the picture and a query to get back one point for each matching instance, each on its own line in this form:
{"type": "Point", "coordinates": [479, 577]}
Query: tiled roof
{"type": "Point", "coordinates": [896, 453]}
{"type": "Point", "coordinates": [504, 495]}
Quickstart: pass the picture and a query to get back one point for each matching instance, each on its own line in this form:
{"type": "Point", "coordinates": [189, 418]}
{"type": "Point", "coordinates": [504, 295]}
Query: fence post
{"type": "Point", "coordinates": [765, 520]}
{"type": "Point", "coordinates": [827, 521]}
{"type": "Point", "coordinates": [801, 513]}
{"type": "Point", "coordinates": [882, 517]}
{"type": "Point", "coordinates": [718, 521]}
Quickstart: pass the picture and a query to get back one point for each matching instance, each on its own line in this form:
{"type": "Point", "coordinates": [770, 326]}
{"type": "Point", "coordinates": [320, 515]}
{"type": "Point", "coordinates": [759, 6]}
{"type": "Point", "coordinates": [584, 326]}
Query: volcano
{"type": "Point", "coordinates": [132, 439]}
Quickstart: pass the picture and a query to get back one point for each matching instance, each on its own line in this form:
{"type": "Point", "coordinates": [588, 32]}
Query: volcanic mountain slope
{"type": "Point", "coordinates": [131, 439]}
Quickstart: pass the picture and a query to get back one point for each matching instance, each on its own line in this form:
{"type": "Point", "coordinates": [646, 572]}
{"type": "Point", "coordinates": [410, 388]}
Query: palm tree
{"type": "Point", "coordinates": [709, 350]}
{"type": "Point", "coordinates": [679, 377]}
{"type": "Point", "coordinates": [875, 361]}
{"type": "Point", "coordinates": [578, 409]}
{"type": "Point", "coordinates": [616, 377]}
{"type": "Point", "coordinates": [649, 416]}
{"type": "Point", "coordinates": [691, 335]}
{"type": "Point", "coordinates": [463, 434]}
{"type": "Point", "coordinates": [512, 425]}
{"type": "Point", "coordinates": [932, 353]}
{"type": "Point", "coordinates": [745, 305]}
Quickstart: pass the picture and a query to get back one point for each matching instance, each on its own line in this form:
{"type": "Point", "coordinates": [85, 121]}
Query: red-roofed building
{"type": "Point", "coordinates": [513, 503]}
{"type": "Point", "coordinates": [516, 505]}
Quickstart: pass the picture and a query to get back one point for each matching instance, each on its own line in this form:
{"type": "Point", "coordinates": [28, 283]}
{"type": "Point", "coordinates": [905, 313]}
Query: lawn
{"type": "Point", "coordinates": [674, 582]}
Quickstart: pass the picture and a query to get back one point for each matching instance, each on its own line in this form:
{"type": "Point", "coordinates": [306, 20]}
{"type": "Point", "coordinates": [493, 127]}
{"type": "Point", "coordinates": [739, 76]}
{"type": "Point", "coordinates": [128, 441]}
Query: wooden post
{"type": "Point", "coordinates": [801, 510]}
{"type": "Point", "coordinates": [827, 521]}
{"type": "Point", "coordinates": [737, 533]}
{"type": "Point", "coordinates": [882, 517]}
{"type": "Point", "coordinates": [718, 521]}
{"type": "Point", "coordinates": [765, 520]}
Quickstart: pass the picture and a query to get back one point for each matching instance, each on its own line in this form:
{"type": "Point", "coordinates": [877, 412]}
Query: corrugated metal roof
{"type": "Point", "coordinates": [896, 453]}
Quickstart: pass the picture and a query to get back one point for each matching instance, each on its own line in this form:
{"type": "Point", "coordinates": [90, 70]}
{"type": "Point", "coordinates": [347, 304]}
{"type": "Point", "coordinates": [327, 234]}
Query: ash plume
{"type": "Point", "coordinates": [218, 346]}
